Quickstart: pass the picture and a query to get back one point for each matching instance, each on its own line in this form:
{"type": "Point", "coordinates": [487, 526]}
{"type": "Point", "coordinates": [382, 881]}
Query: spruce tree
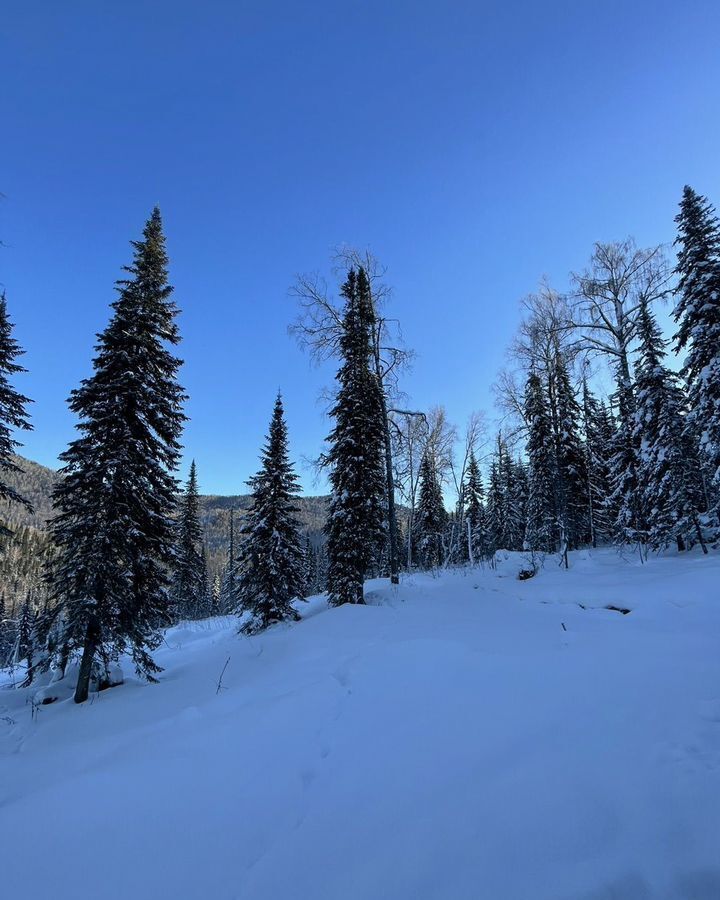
{"type": "Point", "coordinates": [13, 414]}
{"type": "Point", "coordinates": [6, 634]}
{"type": "Point", "coordinates": [431, 518]}
{"type": "Point", "coordinates": [216, 596]}
{"type": "Point", "coordinates": [355, 528]}
{"type": "Point", "coordinates": [669, 474]}
{"type": "Point", "coordinates": [570, 456]}
{"type": "Point", "coordinates": [542, 522]}
{"type": "Point", "coordinates": [496, 509]}
{"type": "Point", "coordinates": [25, 635]}
{"type": "Point", "coordinates": [598, 432]}
{"type": "Point", "coordinates": [189, 584]}
{"type": "Point", "coordinates": [271, 570]}
{"type": "Point", "coordinates": [697, 313]}
{"type": "Point", "coordinates": [474, 509]}
{"type": "Point", "coordinates": [514, 478]}
{"type": "Point", "coordinates": [113, 527]}
{"type": "Point", "coordinates": [628, 523]}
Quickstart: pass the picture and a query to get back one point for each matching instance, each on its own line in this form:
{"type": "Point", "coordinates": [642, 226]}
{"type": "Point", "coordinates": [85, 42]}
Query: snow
{"type": "Point", "coordinates": [449, 740]}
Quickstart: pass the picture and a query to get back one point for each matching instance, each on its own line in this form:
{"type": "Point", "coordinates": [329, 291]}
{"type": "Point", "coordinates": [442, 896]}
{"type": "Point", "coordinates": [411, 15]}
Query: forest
{"type": "Point", "coordinates": [608, 435]}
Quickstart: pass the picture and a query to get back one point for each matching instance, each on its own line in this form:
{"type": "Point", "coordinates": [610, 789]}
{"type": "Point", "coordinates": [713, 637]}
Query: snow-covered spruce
{"type": "Point", "coordinates": [113, 528]}
{"type": "Point", "coordinates": [572, 477]}
{"type": "Point", "coordinates": [541, 530]}
{"type": "Point", "coordinates": [598, 433]}
{"type": "Point", "coordinates": [629, 526]}
{"type": "Point", "coordinates": [431, 518]}
{"type": "Point", "coordinates": [271, 566]}
{"type": "Point", "coordinates": [697, 313]}
{"type": "Point", "coordinates": [474, 501]}
{"type": "Point", "coordinates": [669, 474]}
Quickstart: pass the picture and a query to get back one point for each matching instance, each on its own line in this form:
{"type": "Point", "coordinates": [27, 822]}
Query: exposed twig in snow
{"type": "Point", "coordinates": [220, 684]}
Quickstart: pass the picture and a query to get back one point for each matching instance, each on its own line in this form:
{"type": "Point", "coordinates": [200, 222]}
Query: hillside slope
{"type": "Point", "coordinates": [36, 482]}
{"type": "Point", "coordinates": [466, 736]}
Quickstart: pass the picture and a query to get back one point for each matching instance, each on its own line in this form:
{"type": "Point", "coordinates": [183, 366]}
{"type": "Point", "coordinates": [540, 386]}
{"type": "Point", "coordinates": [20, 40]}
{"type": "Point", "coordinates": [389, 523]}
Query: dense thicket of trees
{"type": "Point", "coordinates": [637, 465]}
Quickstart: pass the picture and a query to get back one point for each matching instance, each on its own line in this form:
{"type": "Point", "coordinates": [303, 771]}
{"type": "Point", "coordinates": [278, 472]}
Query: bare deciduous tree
{"type": "Point", "coordinates": [609, 294]}
{"type": "Point", "coordinates": [409, 431]}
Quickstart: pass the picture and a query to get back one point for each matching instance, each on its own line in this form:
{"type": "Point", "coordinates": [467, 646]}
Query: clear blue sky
{"type": "Point", "coordinates": [474, 146]}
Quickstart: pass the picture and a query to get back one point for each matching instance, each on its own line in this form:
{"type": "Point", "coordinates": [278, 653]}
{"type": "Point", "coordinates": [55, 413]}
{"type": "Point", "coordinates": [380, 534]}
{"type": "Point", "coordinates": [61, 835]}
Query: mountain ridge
{"type": "Point", "coordinates": [36, 482]}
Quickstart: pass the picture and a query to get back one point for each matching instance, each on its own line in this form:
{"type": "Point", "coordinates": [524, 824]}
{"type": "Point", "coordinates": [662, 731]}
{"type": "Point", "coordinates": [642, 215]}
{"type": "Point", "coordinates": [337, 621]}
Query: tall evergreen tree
{"type": "Point", "coordinates": [25, 635]}
{"type": "Point", "coordinates": [271, 571]}
{"type": "Point", "coordinates": [431, 518]}
{"type": "Point", "coordinates": [6, 633]}
{"type": "Point", "coordinates": [13, 414]}
{"type": "Point", "coordinates": [189, 568]}
{"type": "Point", "coordinates": [669, 473]}
{"type": "Point", "coordinates": [496, 508]}
{"type": "Point", "coordinates": [356, 524]}
{"type": "Point", "coordinates": [542, 524]}
{"type": "Point", "coordinates": [216, 595]}
{"type": "Point", "coordinates": [697, 313]}
{"type": "Point", "coordinates": [474, 503]}
{"type": "Point", "coordinates": [628, 526]}
{"type": "Point", "coordinates": [599, 430]}
{"type": "Point", "coordinates": [114, 529]}
{"type": "Point", "coordinates": [570, 456]}
{"type": "Point", "coordinates": [514, 477]}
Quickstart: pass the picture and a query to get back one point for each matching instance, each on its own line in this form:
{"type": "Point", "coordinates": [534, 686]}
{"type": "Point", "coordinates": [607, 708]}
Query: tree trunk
{"type": "Point", "coordinates": [411, 519]}
{"type": "Point", "coordinates": [698, 532]}
{"type": "Point", "coordinates": [392, 520]}
{"type": "Point", "coordinates": [591, 505]}
{"type": "Point", "coordinates": [393, 555]}
{"type": "Point", "coordinates": [91, 641]}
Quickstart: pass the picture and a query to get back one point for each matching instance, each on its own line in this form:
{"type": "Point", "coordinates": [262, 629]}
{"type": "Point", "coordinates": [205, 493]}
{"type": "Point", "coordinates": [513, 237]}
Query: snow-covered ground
{"type": "Point", "coordinates": [450, 740]}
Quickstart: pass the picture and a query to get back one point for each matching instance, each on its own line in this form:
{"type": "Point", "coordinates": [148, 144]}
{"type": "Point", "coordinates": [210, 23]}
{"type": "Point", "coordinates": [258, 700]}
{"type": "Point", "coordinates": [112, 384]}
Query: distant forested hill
{"type": "Point", "coordinates": [35, 482]}
{"type": "Point", "coordinates": [21, 557]}
{"type": "Point", "coordinates": [216, 522]}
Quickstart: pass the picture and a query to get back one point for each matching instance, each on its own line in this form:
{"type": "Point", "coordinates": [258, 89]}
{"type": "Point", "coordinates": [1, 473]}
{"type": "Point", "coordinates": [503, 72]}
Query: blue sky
{"type": "Point", "coordinates": [473, 146]}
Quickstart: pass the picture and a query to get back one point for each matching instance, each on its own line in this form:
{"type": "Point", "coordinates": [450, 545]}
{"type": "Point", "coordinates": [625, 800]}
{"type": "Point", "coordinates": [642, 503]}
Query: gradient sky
{"type": "Point", "coordinates": [473, 146]}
